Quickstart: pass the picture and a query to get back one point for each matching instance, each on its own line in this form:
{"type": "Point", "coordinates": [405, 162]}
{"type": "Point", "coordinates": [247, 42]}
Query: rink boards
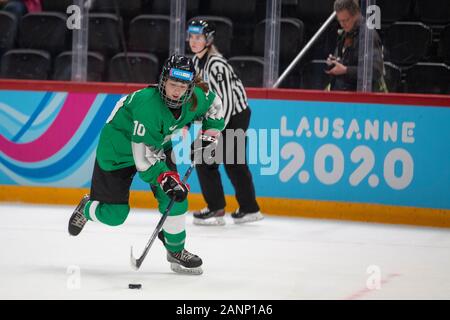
{"type": "Point", "coordinates": [364, 157]}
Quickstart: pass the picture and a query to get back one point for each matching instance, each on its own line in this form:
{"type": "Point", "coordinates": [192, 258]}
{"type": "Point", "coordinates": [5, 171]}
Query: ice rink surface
{"type": "Point", "coordinates": [277, 258]}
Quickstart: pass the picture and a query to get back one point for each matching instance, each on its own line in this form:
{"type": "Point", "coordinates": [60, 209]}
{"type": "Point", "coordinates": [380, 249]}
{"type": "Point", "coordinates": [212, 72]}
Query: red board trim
{"type": "Point", "coordinates": [253, 93]}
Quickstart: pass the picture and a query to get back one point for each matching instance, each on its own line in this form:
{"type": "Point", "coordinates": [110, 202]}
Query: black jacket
{"type": "Point", "coordinates": [347, 51]}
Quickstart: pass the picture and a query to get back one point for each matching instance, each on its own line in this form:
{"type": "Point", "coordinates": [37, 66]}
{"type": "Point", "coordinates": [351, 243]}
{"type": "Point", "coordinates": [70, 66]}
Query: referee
{"type": "Point", "coordinates": [212, 67]}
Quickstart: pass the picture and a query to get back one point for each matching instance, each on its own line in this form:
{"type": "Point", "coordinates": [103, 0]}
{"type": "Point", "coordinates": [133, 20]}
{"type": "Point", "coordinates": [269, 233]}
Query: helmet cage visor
{"type": "Point", "coordinates": [178, 75]}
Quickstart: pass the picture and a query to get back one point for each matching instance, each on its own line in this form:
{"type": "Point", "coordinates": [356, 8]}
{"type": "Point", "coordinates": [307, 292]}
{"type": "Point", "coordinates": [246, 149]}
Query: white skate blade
{"type": "Point", "coordinates": [182, 270]}
{"type": "Point", "coordinates": [214, 221]}
{"type": "Point", "coordinates": [249, 218]}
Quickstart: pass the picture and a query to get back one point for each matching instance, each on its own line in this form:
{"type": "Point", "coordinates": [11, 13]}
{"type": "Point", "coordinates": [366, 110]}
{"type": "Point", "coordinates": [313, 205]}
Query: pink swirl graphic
{"type": "Point", "coordinates": [58, 134]}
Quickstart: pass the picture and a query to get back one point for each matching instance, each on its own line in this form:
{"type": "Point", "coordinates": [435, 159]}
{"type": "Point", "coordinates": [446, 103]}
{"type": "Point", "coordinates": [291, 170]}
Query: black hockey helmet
{"type": "Point", "coordinates": [201, 26]}
{"type": "Point", "coordinates": [178, 68]}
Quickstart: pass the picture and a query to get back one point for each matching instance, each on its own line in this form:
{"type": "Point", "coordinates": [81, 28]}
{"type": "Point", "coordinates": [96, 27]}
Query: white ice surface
{"type": "Point", "coordinates": [277, 258]}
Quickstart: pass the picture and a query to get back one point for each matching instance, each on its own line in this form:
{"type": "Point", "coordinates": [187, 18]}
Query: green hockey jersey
{"type": "Point", "coordinates": [140, 127]}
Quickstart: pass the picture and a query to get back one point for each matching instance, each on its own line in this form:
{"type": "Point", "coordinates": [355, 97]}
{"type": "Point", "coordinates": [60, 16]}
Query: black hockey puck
{"type": "Point", "coordinates": [135, 286]}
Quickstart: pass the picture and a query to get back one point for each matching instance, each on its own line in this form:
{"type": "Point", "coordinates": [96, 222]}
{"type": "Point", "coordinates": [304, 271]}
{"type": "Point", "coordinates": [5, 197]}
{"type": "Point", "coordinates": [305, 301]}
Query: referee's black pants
{"type": "Point", "coordinates": [238, 172]}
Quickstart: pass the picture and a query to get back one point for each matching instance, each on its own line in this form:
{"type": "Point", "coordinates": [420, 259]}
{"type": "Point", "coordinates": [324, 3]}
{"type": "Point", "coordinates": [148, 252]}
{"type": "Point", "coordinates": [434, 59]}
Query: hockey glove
{"type": "Point", "coordinates": [203, 148]}
{"type": "Point", "coordinates": [172, 186]}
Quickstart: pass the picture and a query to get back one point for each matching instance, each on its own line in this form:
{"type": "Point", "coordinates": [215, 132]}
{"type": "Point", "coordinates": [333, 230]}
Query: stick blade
{"type": "Point", "coordinates": [134, 263]}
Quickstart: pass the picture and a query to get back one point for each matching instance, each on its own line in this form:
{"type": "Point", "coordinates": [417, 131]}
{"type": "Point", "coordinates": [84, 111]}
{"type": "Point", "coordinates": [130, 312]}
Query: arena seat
{"type": "Point", "coordinates": [128, 8]}
{"type": "Point", "coordinates": [163, 7]}
{"type": "Point", "coordinates": [291, 38]}
{"type": "Point", "coordinates": [104, 33]}
{"type": "Point", "coordinates": [407, 43]}
{"type": "Point", "coordinates": [316, 11]}
{"type": "Point", "coordinates": [150, 34]}
{"type": "Point", "coordinates": [8, 25]}
{"type": "Point", "coordinates": [249, 69]}
{"type": "Point", "coordinates": [25, 64]}
{"type": "Point", "coordinates": [433, 12]}
{"type": "Point", "coordinates": [233, 9]}
{"type": "Point", "coordinates": [43, 31]}
{"type": "Point", "coordinates": [56, 5]}
{"type": "Point", "coordinates": [63, 66]}
{"type": "Point", "coordinates": [134, 67]}
{"type": "Point", "coordinates": [426, 77]}
{"type": "Point", "coordinates": [313, 76]}
{"type": "Point", "coordinates": [393, 77]}
{"type": "Point", "coordinates": [393, 11]}
{"type": "Point", "coordinates": [444, 45]}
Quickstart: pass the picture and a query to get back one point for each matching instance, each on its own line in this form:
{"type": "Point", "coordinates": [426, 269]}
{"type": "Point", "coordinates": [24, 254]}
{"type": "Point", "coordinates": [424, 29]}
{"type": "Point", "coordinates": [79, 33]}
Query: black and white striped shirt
{"type": "Point", "coordinates": [220, 76]}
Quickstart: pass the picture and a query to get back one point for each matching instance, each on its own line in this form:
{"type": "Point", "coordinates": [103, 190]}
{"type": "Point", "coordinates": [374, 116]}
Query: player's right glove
{"type": "Point", "coordinates": [203, 148]}
{"type": "Point", "coordinates": [172, 185]}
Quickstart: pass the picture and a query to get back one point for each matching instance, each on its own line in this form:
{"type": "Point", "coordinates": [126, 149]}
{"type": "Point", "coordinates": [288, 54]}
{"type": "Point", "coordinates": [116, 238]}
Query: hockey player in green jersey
{"type": "Point", "coordinates": [137, 138]}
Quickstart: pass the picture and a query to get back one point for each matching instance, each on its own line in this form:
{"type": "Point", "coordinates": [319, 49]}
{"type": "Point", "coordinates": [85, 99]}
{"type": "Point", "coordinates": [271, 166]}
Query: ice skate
{"type": "Point", "coordinates": [183, 262]}
{"type": "Point", "coordinates": [78, 220]}
{"type": "Point", "coordinates": [206, 217]}
{"type": "Point", "coordinates": [243, 217]}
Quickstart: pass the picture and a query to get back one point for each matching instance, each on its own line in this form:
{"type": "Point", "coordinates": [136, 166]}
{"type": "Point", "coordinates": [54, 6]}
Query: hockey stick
{"type": "Point", "coordinates": [136, 263]}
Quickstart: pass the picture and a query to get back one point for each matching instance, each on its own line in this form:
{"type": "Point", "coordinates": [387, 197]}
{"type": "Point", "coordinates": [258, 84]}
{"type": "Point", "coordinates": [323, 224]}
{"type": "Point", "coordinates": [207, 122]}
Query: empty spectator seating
{"type": "Point", "coordinates": [433, 12]}
{"type": "Point", "coordinates": [292, 80]}
{"type": "Point", "coordinates": [104, 33]}
{"type": "Point", "coordinates": [150, 33]}
{"type": "Point", "coordinates": [44, 31]}
{"type": "Point", "coordinates": [289, 8]}
{"type": "Point", "coordinates": [134, 67]}
{"type": "Point", "coordinates": [313, 76]}
{"type": "Point", "coordinates": [415, 35]}
{"type": "Point", "coordinates": [393, 11]}
{"type": "Point", "coordinates": [428, 78]}
{"type": "Point", "coordinates": [224, 32]}
{"type": "Point", "coordinates": [393, 77]}
{"type": "Point", "coordinates": [291, 38]}
{"type": "Point", "coordinates": [163, 7]}
{"type": "Point", "coordinates": [444, 45]}
{"type": "Point", "coordinates": [315, 12]}
{"type": "Point", "coordinates": [56, 5]}
{"type": "Point", "coordinates": [128, 8]}
{"type": "Point", "coordinates": [407, 42]}
{"type": "Point", "coordinates": [242, 43]}
{"type": "Point", "coordinates": [325, 44]}
{"type": "Point", "coordinates": [63, 66]}
{"type": "Point", "coordinates": [8, 27]}
{"type": "Point", "coordinates": [233, 9]}
{"type": "Point", "coordinates": [25, 64]}
{"type": "Point", "coordinates": [249, 69]}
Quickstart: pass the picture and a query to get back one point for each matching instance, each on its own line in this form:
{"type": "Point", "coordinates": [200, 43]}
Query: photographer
{"type": "Point", "coordinates": [343, 65]}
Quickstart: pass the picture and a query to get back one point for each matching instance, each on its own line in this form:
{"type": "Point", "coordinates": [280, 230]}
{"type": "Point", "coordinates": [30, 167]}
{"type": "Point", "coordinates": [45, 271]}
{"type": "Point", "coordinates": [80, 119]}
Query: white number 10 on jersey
{"type": "Point", "coordinates": [139, 129]}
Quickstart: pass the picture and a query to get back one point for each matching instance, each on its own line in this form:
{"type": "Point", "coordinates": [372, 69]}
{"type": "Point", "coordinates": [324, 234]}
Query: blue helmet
{"type": "Point", "coordinates": [201, 26]}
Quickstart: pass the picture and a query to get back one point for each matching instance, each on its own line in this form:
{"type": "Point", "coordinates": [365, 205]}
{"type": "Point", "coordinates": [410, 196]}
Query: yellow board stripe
{"type": "Point", "coordinates": [273, 206]}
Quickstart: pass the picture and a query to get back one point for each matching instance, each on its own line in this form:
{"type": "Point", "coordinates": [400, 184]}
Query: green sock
{"type": "Point", "coordinates": [109, 214]}
{"type": "Point", "coordinates": [174, 242]}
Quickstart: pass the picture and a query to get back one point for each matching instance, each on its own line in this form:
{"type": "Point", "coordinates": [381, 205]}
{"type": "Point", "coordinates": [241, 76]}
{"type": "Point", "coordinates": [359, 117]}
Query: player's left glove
{"type": "Point", "coordinates": [172, 185]}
